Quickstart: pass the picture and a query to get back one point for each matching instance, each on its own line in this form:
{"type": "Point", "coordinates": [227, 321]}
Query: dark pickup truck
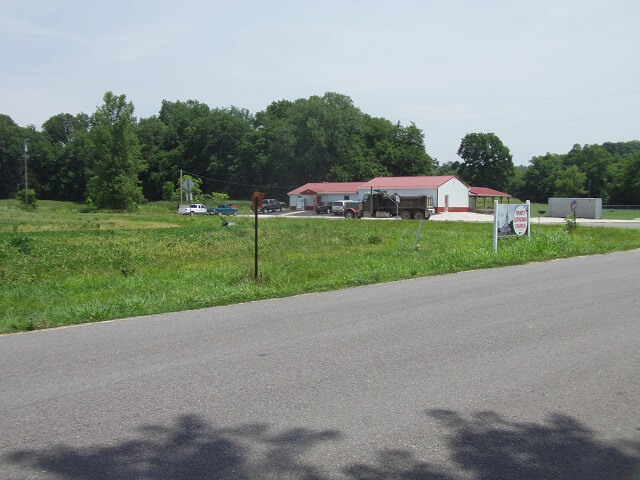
{"type": "Point", "coordinates": [223, 209]}
{"type": "Point", "coordinates": [271, 205]}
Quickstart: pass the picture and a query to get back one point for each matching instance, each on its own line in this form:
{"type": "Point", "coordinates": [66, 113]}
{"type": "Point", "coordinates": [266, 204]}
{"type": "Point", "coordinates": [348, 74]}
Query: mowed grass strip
{"type": "Point", "coordinates": [75, 275]}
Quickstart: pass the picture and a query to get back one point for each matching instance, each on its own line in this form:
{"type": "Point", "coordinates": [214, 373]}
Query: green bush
{"type": "Point", "coordinates": [22, 243]}
{"type": "Point", "coordinates": [27, 202]}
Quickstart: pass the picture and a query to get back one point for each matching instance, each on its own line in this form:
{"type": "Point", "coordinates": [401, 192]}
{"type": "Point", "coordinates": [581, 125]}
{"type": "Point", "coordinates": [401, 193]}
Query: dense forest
{"type": "Point", "coordinates": [113, 160]}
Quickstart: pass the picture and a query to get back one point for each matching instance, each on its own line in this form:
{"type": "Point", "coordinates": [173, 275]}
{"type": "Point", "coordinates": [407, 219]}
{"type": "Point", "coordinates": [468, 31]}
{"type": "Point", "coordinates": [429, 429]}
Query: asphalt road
{"type": "Point", "coordinates": [528, 372]}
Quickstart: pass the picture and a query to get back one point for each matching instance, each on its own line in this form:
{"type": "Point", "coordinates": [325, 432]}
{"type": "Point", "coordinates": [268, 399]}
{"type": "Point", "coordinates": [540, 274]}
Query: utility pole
{"type": "Point", "coordinates": [26, 183]}
{"type": "Point", "coordinates": [181, 186]}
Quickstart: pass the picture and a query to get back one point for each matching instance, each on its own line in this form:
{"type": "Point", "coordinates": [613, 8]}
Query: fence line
{"type": "Point", "coordinates": [622, 207]}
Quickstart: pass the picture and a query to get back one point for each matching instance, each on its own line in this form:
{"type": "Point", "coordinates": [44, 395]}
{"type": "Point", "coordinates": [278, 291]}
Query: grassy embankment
{"type": "Point", "coordinates": [60, 267]}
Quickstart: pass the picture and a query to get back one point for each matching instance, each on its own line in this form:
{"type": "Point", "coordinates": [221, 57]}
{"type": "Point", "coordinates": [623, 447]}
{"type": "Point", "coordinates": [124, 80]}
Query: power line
{"type": "Point", "coordinates": [541, 104]}
{"type": "Point", "coordinates": [271, 187]}
{"type": "Point", "coordinates": [544, 123]}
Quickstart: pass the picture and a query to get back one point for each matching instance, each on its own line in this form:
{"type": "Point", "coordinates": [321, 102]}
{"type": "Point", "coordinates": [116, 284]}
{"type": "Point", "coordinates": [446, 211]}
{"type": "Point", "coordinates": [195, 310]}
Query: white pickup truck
{"type": "Point", "coordinates": [192, 209]}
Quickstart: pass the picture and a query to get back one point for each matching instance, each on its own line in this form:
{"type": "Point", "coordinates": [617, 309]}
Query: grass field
{"type": "Point", "coordinates": [617, 213]}
{"type": "Point", "coordinates": [60, 267]}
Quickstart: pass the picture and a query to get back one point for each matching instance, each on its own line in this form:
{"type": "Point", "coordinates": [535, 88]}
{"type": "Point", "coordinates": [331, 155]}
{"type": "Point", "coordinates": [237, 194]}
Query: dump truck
{"type": "Point", "coordinates": [382, 202]}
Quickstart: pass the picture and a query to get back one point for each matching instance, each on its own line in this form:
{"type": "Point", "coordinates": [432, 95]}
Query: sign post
{"type": "Point", "coordinates": [511, 221]}
{"type": "Point", "coordinates": [574, 206]}
{"type": "Point", "coordinates": [256, 204]}
{"type": "Point", "coordinates": [188, 185]}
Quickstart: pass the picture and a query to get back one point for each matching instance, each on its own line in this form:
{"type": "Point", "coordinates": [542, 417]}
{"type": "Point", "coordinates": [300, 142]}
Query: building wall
{"type": "Point", "coordinates": [309, 200]}
{"type": "Point", "coordinates": [458, 196]}
{"type": "Point", "coordinates": [586, 207]}
{"type": "Point", "coordinates": [294, 199]}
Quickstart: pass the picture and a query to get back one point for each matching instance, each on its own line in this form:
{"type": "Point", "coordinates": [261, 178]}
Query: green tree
{"type": "Point", "coordinates": [487, 162]}
{"type": "Point", "coordinates": [11, 170]}
{"type": "Point", "coordinates": [27, 201]}
{"type": "Point", "coordinates": [329, 139]}
{"type": "Point", "coordinates": [447, 168]}
{"type": "Point", "coordinates": [631, 182]}
{"type": "Point", "coordinates": [570, 182]}
{"type": "Point", "coordinates": [622, 148]}
{"type": "Point", "coordinates": [539, 180]}
{"type": "Point", "coordinates": [116, 161]}
{"type": "Point", "coordinates": [594, 161]}
{"type": "Point", "coordinates": [62, 168]}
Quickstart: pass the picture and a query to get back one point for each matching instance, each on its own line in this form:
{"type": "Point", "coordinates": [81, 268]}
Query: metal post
{"type": "Point", "coordinates": [26, 184]}
{"type": "Point", "coordinates": [415, 244]}
{"type": "Point", "coordinates": [181, 186]}
{"type": "Point", "coordinates": [255, 209]}
{"type": "Point", "coordinates": [529, 220]}
{"type": "Point", "coordinates": [495, 225]}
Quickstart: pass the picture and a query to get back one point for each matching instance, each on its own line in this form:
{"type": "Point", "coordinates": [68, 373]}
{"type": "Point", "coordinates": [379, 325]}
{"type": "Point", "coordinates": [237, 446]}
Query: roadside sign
{"type": "Point", "coordinates": [188, 184]}
{"type": "Point", "coordinates": [256, 200]}
{"type": "Point", "coordinates": [511, 221]}
{"type": "Point", "coordinates": [520, 220]}
{"type": "Point", "coordinates": [574, 205]}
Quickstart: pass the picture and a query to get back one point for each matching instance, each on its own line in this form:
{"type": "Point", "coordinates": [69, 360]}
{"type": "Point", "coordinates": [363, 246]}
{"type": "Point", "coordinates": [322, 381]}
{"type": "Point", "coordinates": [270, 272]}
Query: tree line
{"type": "Point", "coordinates": [610, 171]}
{"type": "Point", "coordinates": [112, 160]}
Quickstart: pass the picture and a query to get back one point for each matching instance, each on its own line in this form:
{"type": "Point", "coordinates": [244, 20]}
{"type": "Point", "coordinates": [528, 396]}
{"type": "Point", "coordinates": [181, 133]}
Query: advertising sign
{"type": "Point", "coordinates": [510, 221]}
{"type": "Point", "coordinates": [520, 220]}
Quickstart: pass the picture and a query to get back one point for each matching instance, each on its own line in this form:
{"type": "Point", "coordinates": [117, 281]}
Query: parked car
{"type": "Point", "coordinates": [192, 209]}
{"type": "Point", "coordinates": [223, 209]}
{"type": "Point", "coordinates": [338, 207]}
{"type": "Point", "coordinates": [271, 205]}
{"type": "Point", "coordinates": [323, 207]}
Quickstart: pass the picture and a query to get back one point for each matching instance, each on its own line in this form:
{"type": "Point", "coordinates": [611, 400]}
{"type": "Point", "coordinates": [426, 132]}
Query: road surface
{"type": "Point", "coordinates": [526, 372]}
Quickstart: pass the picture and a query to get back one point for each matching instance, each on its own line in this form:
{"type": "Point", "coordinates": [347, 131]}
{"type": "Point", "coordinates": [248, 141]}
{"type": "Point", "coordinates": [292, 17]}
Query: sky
{"type": "Point", "coordinates": [542, 75]}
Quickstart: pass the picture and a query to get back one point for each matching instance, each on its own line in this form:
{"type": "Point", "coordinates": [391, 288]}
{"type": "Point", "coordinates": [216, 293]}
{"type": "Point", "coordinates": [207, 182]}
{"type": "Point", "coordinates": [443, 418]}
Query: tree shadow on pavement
{"type": "Point", "coordinates": [482, 447]}
{"type": "Point", "coordinates": [493, 447]}
{"type": "Point", "coordinates": [188, 449]}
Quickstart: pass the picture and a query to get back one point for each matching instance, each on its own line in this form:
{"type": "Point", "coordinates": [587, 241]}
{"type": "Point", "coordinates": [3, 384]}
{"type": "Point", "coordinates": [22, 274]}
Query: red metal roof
{"type": "Point", "coordinates": [408, 182]}
{"type": "Point", "coordinates": [327, 188]}
{"type": "Point", "coordinates": [487, 192]}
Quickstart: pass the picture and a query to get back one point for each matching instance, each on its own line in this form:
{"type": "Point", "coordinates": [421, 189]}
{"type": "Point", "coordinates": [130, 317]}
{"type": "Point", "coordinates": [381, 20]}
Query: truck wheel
{"type": "Point", "coordinates": [418, 215]}
{"type": "Point", "coordinates": [265, 210]}
{"type": "Point", "coordinates": [349, 214]}
{"type": "Point", "coordinates": [405, 215]}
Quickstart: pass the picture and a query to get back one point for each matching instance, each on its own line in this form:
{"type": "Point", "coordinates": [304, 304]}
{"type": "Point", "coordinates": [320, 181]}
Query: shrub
{"type": "Point", "coordinates": [29, 202]}
{"type": "Point", "coordinates": [23, 244]}
{"type": "Point", "coordinates": [571, 223]}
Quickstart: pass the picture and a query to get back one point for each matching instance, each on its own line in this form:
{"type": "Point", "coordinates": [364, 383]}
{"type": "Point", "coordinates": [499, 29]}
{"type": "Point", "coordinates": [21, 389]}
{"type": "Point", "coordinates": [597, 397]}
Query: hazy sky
{"type": "Point", "coordinates": [542, 75]}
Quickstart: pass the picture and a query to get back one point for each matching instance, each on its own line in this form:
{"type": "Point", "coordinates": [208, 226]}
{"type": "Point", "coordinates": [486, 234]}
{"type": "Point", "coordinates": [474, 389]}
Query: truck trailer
{"type": "Point", "coordinates": [378, 202]}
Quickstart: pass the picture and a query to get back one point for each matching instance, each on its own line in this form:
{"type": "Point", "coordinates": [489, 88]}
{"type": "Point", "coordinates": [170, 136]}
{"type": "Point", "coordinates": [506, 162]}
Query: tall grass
{"type": "Point", "coordinates": [71, 269]}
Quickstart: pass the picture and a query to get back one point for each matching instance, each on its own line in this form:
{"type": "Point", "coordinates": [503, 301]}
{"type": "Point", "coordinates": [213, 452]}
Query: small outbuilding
{"type": "Point", "coordinates": [309, 194]}
{"type": "Point", "coordinates": [482, 198]}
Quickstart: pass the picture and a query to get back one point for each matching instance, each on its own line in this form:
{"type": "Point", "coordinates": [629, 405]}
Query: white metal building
{"type": "Point", "coordinates": [449, 194]}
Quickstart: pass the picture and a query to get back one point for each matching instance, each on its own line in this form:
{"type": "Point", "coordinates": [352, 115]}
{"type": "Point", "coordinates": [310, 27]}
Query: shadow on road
{"type": "Point", "coordinates": [484, 447]}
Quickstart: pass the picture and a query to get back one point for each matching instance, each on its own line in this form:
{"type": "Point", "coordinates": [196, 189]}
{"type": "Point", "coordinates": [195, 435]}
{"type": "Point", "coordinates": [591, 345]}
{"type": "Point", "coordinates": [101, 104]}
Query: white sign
{"type": "Point", "coordinates": [520, 220]}
{"type": "Point", "coordinates": [510, 221]}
